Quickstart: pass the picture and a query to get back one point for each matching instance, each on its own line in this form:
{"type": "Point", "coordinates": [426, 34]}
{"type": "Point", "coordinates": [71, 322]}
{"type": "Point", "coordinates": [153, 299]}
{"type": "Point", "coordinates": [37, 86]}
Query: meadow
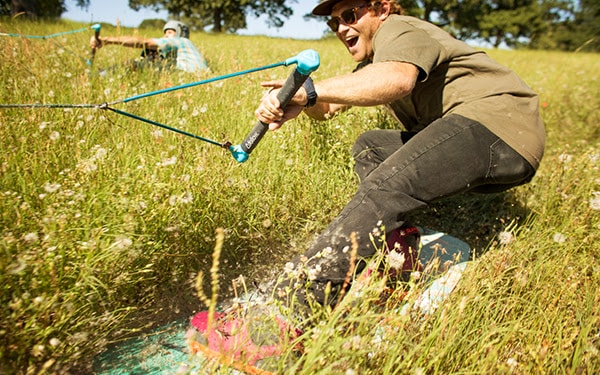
{"type": "Point", "coordinates": [106, 221]}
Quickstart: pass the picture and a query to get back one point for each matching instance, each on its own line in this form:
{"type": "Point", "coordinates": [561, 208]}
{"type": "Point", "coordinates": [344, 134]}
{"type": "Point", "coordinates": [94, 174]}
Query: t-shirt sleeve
{"type": "Point", "coordinates": [397, 40]}
{"type": "Point", "coordinates": [164, 44]}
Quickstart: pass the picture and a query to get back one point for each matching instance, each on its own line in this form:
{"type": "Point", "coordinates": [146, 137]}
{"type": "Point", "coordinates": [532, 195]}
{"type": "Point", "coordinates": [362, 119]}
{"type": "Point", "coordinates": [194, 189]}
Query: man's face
{"type": "Point", "coordinates": [357, 35]}
{"type": "Point", "coordinates": [170, 33]}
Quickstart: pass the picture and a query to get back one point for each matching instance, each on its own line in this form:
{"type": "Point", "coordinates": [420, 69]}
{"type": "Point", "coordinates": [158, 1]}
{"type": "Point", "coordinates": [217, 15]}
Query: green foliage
{"type": "Point", "coordinates": [46, 9]}
{"type": "Point", "coordinates": [105, 221]}
{"type": "Point", "coordinates": [220, 16]}
{"type": "Point", "coordinates": [152, 24]}
{"type": "Point", "coordinates": [579, 32]}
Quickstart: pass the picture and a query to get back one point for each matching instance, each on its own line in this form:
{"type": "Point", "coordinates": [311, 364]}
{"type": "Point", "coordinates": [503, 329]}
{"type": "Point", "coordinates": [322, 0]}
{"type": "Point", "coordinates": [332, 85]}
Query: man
{"type": "Point", "coordinates": [469, 123]}
{"type": "Point", "coordinates": [175, 48]}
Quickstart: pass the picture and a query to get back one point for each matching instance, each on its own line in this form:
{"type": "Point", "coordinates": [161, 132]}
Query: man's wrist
{"type": "Point", "coordinates": [311, 94]}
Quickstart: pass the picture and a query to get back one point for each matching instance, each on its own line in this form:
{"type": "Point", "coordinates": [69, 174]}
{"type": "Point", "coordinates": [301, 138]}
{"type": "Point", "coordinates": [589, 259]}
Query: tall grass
{"type": "Point", "coordinates": [105, 220]}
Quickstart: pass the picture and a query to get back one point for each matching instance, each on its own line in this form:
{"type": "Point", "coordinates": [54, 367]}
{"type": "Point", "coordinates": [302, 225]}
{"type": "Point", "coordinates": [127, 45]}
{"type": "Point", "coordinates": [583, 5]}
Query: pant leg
{"type": "Point", "coordinates": [398, 175]}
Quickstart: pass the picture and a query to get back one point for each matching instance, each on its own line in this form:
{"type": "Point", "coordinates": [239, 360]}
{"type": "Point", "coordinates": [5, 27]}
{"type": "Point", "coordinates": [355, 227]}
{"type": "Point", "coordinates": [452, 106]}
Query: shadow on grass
{"type": "Point", "coordinates": [475, 218]}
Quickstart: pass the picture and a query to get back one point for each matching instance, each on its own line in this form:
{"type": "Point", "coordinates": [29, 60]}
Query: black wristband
{"type": "Point", "coordinates": [311, 94]}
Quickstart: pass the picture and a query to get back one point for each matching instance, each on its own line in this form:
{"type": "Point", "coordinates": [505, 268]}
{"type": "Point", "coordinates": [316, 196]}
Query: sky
{"type": "Point", "coordinates": [110, 10]}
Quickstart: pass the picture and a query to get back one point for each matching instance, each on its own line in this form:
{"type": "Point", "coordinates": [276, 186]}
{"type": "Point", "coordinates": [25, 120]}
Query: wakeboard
{"type": "Point", "coordinates": [171, 348]}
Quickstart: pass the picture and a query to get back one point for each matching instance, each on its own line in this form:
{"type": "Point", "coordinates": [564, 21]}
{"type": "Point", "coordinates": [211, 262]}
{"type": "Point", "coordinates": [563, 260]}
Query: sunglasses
{"type": "Point", "coordinates": [348, 17]}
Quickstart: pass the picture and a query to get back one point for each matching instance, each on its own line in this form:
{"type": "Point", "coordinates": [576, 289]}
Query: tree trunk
{"type": "Point", "coordinates": [28, 7]}
{"type": "Point", "coordinates": [217, 20]}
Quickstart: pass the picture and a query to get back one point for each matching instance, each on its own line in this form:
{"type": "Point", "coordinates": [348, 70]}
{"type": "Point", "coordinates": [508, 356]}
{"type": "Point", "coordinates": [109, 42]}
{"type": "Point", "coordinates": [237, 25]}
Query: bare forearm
{"type": "Point", "coordinates": [373, 85]}
{"type": "Point", "coordinates": [129, 41]}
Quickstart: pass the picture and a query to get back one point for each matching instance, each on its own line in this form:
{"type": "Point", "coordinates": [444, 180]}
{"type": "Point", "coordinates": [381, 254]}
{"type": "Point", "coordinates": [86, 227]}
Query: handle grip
{"type": "Point", "coordinates": [307, 62]}
{"type": "Point", "coordinates": [96, 28]}
{"type": "Point", "coordinates": [291, 85]}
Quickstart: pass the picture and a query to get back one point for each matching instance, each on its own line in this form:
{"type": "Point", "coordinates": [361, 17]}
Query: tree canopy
{"type": "Point", "coordinates": [220, 16]}
{"type": "Point", "coordinates": [568, 25]}
{"type": "Point", "coordinates": [37, 8]}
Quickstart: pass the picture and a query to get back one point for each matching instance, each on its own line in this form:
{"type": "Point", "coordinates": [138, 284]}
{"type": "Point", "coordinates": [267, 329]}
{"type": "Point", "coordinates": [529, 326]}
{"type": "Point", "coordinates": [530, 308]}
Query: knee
{"type": "Point", "coordinates": [363, 143]}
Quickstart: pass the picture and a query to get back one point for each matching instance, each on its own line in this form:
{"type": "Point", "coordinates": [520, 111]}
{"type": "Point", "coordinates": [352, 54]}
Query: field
{"type": "Point", "coordinates": [106, 221]}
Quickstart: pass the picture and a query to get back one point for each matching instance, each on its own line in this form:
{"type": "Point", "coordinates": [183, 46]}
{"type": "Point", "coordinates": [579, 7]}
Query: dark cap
{"type": "Point", "coordinates": [324, 7]}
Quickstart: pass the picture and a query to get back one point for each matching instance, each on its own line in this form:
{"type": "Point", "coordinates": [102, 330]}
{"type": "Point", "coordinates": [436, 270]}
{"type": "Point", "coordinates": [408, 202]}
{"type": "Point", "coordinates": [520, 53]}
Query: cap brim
{"type": "Point", "coordinates": [324, 7]}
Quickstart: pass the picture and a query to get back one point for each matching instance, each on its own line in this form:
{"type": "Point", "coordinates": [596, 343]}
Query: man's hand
{"type": "Point", "coordinates": [269, 111]}
{"type": "Point", "coordinates": [95, 43]}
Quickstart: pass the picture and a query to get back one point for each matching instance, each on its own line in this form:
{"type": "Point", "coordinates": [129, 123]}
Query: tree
{"type": "Point", "coordinates": [577, 30]}
{"type": "Point", "coordinates": [50, 9]}
{"type": "Point", "coordinates": [219, 16]}
{"type": "Point", "coordinates": [510, 22]}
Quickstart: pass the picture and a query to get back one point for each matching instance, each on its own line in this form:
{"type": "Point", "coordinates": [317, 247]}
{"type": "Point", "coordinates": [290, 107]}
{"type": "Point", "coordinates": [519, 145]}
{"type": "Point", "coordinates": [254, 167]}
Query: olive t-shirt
{"type": "Point", "coordinates": [455, 78]}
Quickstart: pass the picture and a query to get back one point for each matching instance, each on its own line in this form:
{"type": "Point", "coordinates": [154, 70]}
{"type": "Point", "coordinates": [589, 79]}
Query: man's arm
{"type": "Point", "coordinates": [127, 41]}
{"type": "Point", "coordinates": [375, 84]}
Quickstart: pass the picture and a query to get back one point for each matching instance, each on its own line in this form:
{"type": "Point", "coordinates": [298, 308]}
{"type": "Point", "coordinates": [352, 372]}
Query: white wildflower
{"type": "Point", "coordinates": [169, 161]}
{"type": "Point", "coordinates": [325, 252]}
{"type": "Point", "coordinates": [267, 223]}
{"type": "Point", "coordinates": [17, 267]}
{"type": "Point", "coordinates": [415, 275]}
{"type": "Point", "coordinates": [512, 362]}
{"type": "Point", "coordinates": [595, 201]}
{"type": "Point", "coordinates": [37, 350]}
{"type": "Point", "coordinates": [396, 260]}
{"type": "Point", "coordinates": [172, 229]}
{"type": "Point", "coordinates": [31, 238]}
{"type": "Point", "coordinates": [54, 342]}
{"type": "Point", "coordinates": [187, 198]}
{"type": "Point", "coordinates": [99, 153]}
{"type": "Point", "coordinates": [51, 188]}
{"type": "Point", "coordinates": [314, 272]}
{"type": "Point", "coordinates": [87, 165]}
{"type": "Point", "coordinates": [559, 238]}
{"type": "Point", "coordinates": [377, 232]}
{"type": "Point", "coordinates": [122, 243]}
{"type": "Point", "coordinates": [157, 134]}
{"type": "Point", "coordinates": [43, 125]}
{"type": "Point", "coordinates": [173, 200]}
{"type": "Point", "coordinates": [565, 158]}
{"type": "Point", "coordinates": [505, 238]}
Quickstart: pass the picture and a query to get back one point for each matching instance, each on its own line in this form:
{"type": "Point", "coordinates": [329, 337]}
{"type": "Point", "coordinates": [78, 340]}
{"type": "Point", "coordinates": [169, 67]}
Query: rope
{"type": "Point", "coordinates": [202, 82]}
{"type": "Point", "coordinates": [40, 105]}
{"type": "Point", "coordinates": [107, 106]}
{"type": "Point", "coordinates": [223, 145]}
{"type": "Point", "coordinates": [51, 35]}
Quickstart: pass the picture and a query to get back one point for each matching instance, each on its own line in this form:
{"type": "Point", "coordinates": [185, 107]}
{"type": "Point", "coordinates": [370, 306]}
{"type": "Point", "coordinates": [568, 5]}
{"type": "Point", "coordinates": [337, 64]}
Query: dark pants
{"type": "Point", "coordinates": [400, 172]}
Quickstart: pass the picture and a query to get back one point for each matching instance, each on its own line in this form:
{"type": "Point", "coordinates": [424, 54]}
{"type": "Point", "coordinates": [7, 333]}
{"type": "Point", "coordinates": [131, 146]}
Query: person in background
{"type": "Point", "coordinates": [466, 124]}
{"type": "Point", "coordinates": [173, 49]}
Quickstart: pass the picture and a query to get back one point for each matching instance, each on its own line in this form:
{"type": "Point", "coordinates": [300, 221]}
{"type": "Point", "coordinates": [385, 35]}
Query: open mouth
{"type": "Point", "coordinates": [351, 42]}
